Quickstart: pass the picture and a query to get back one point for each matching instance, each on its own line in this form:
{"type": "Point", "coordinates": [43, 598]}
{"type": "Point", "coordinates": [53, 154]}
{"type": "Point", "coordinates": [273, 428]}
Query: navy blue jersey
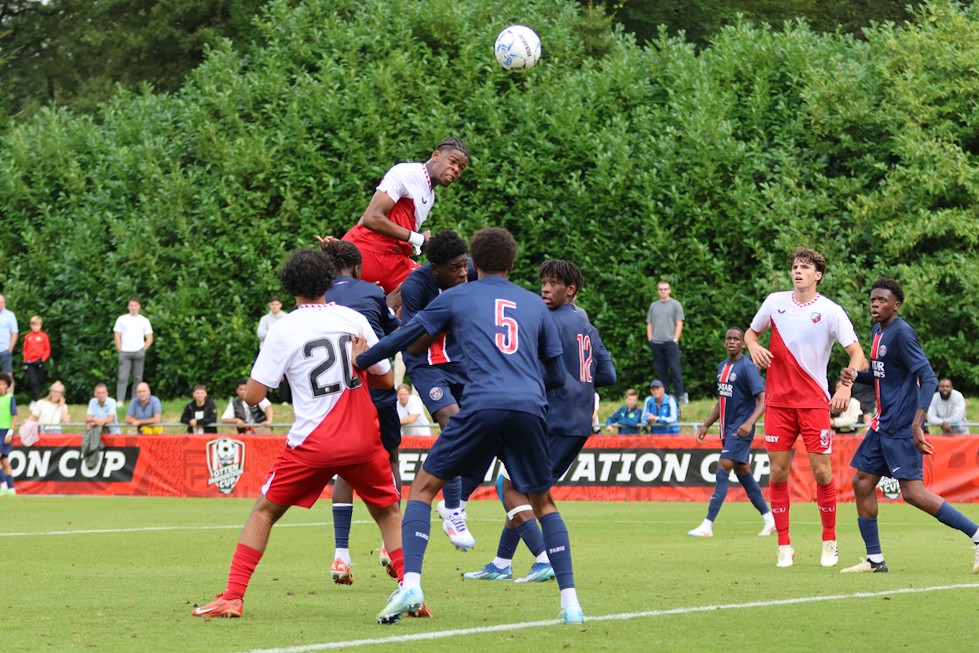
{"type": "Point", "coordinates": [368, 300]}
{"type": "Point", "coordinates": [738, 383]}
{"type": "Point", "coordinates": [506, 332]}
{"type": "Point", "coordinates": [417, 291]}
{"type": "Point", "coordinates": [897, 362]}
{"type": "Point", "coordinates": [585, 360]}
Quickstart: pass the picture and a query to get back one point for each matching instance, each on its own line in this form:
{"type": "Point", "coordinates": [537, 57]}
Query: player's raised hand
{"type": "Point", "coordinates": [323, 240]}
{"type": "Point", "coordinates": [848, 375]}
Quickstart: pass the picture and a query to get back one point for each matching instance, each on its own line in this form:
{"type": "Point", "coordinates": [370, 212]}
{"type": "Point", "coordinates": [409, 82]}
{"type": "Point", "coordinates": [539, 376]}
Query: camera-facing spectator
{"type": "Point", "coordinates": [947, 409]}
{"type": "Point", "coordinates": [247, 418]}
{"type": "Point", "coordinates": [51, 411]}
{"type": "Point", "coordinates": [145, 411]}
{"type": "Point", "coordinates": [200, 412]}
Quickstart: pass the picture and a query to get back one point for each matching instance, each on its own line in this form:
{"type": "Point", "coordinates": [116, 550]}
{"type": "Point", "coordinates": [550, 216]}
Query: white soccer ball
{"type": "Point", "coordinates": [517, 48]}
{"type": "Point", "coordinates": [226, 448]}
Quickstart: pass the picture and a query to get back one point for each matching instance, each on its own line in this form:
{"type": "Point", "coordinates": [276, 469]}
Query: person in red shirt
{"type": "Point", "coordinates": [389, 231]}
{"type": "Point", "coordinates": [37, 351]}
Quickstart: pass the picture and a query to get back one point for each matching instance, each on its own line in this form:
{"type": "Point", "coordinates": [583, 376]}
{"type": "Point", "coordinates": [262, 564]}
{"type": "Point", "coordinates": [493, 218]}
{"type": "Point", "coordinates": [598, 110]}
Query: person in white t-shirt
{"type": "Point", "coordinates": [133, 335]}
{"type": "Point", "coordinates": [412, 413]}
{"type": "Point", "coordinates": [336, 431]}
{"type": "Point", "coordinates": [804, 326]}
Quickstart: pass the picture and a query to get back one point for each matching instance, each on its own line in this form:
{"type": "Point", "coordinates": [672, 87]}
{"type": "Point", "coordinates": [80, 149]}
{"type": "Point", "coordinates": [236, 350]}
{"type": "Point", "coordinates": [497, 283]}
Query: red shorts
{"type": "Point", "coordinates": [388, 269]}
{"type": "Point", "coordinates": [783, 426]}
{"type": "Point", "coordinates": [293, 482]}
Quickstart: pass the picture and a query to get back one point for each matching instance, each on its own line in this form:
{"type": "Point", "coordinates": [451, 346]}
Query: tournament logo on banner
{"type": "Point", "coordinates": [889, 487]}
{"type": "Point", "coordinates": [226, 462]}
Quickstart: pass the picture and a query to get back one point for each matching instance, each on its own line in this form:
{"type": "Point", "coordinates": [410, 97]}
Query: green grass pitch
{"type": "Point", "coordinates": [122, 574]}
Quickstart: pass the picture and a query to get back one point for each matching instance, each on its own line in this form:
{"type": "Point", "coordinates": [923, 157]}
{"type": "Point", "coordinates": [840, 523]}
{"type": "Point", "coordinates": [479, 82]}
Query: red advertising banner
{"type": "Point", "coordinates": [609, 468]}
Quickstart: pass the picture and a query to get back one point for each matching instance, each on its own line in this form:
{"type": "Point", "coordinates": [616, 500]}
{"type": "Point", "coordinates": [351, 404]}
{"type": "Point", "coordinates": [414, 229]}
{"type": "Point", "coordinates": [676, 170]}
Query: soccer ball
{"type": "Point", "coordinates": [517, 48]}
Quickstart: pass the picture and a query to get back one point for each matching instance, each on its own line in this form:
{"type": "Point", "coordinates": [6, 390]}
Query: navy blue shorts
{"type": "Point", "coordinates": [390, 421]}
{"type": "Point", "coordinates": [473, 438]}
{"type": "Point", "coordinates": [736, 449]}
{"type": "Point", "coordinates": [439, 385]}
{"type": "Point", "coordinates": [564, 452]}
{"type": "Point", "coordinates": [5, 448]}
{"type": "Point", "coordinates": [883, 456]}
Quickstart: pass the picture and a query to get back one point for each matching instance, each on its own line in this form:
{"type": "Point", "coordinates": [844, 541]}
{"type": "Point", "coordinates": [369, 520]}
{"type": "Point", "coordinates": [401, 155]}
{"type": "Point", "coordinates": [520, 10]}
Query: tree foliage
{"type": "Point", "coordinates": [703, 167]}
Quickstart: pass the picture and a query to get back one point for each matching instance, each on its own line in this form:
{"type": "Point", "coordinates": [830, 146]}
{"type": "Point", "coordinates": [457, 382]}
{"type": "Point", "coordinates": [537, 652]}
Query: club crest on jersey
{"type": "Point", "coordinates": [435, 393]}
{"type": "Point", "coordinates": [732, 377]}
{"type": "Point", "coordinates": [815, 317]}
{"type": "Point", "coordinates": [881, 351]}
{"type": "Point", "coordinates": [226, 462]}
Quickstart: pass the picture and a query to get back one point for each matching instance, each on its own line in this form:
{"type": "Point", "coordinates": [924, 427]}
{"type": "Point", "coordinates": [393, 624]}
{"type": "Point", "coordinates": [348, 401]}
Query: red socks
{"type": "Point", "coordinates": [242, 567]}
{"type": "Point", "coordinates": [780, 510]}
{"type": "Point", "coordinates": [826, 499]}
{"type": "Point", "coordinates": [398, 563]}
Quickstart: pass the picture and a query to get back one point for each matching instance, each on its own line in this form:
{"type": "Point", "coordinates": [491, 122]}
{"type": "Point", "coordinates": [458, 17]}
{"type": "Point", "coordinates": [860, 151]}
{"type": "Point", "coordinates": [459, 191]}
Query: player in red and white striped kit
{"type": "Point", "coordinates": [390, 230]}
{"type": "Point", "coordinates": [336, 429]}
{"type": "Point", "coordinates": [804, 327]}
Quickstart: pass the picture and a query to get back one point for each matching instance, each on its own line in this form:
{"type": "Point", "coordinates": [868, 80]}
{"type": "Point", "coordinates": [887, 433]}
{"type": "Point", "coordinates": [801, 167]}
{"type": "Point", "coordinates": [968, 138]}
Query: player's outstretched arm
{"type": "Point", "coordinates": [392, 344]}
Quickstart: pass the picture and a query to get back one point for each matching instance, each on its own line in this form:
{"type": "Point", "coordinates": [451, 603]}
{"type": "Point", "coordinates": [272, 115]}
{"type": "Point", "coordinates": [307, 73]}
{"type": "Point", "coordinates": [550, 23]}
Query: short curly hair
{"type": "Point", "coordinates": [345, 255]}
{"type": "Point", "coordinates": [445, 246]}
{"type": "Point", "coordinates": [565, 271]}
{"type": "Point", "coordinates": [494, 249]}
{"type": "Point", "coordinates": [890, 284]}
{"type": "Point", "coordinates": [308, 273]}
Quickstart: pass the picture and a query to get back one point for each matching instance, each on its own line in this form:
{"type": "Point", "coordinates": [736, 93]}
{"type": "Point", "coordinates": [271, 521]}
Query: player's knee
{"type": "Point", "coordinates": [520, 514]}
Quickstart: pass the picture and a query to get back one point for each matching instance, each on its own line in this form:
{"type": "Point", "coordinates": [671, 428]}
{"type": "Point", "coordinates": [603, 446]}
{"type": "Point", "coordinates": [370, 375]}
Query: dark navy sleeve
{"type": "Point", "coordinates": [604, 368]}
{"type": "Point", "coordinates": [392, 344]}
{"type": "Point", "coordinates": [389, 321]}
{"type": "Point", "coordinates": [918, 365]}
{"type": "Point", "coordinates": [413, 295]}
{"type": "Point", "coordinates": [549, 344]}
{"type": "Point", "coordinates": [437, 316]}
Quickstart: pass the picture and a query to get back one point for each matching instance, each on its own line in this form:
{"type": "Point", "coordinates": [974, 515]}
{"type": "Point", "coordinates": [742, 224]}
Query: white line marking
{"type": "Point", "coordinates": [442, 634]}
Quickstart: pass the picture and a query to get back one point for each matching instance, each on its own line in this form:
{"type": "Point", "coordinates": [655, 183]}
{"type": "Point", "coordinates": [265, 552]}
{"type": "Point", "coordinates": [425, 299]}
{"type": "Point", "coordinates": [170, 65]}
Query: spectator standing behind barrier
{"type": "Point", "coordinates": [274, 315]}
{"type": "Point", "coordinates": [627, 419]}
{"type": "Point", "coordinates": [660, 411]}
{"type": "Point", "coordinates": [200, 412]}
{"type": "Point", "coordinates": [8, 422]}
{"type": "Point", "coordinates": [247, 418]}
{"type": "Point", "coordinates": [8, 337]}
{"type": "Point", "coordinates": [412, 413]}
{"type": "Point", "coordinates": [37, 351]}
{"type": "Point", "coordinates": [846, 422]}
{"type": "Point", "coordinates": [664, 324]}
{"type": "Point", "coordinates": [144, 411]}
{"type": "Point", "coordinates": [52, 411]}
{"type": "Point", "coordinates": [133, 335]}
{"type": "Point", "coordinates": [947, 409]}
{"type": "Point", "coordinates": [100, 419]}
